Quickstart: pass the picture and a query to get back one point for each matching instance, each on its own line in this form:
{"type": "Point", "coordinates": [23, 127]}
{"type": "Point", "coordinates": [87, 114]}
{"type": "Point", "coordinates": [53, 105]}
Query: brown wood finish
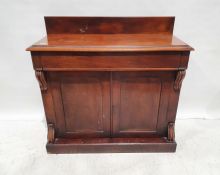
{"type": "Point", "coordinates": [109, 25]}
{"type": "Point", "coordinates": [82, 103]}
{"type": "Point", "coordinates": [171, 132]}
{"type": "Point", "coordinates": [110, 43]}
{"type": "Point", "coordinates": [149, 88]}
{"type": "Point", "coordinates": [62, 61]}
{"type": "Point", "coordinates": [110, 84]}
{"type": "Point", "coordinates": [111, 145]}
{"type": "Point", "coordinates": [51, 133]}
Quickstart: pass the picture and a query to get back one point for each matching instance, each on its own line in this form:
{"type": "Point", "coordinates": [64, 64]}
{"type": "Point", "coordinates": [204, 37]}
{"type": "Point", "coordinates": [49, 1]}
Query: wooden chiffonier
{"type": "Point", "coordinates": [110, 84]}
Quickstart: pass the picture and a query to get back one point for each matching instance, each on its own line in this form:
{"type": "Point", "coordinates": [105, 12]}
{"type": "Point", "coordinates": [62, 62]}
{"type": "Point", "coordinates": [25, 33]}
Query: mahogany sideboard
{"type": "Point", "coordinates": [110, 84]}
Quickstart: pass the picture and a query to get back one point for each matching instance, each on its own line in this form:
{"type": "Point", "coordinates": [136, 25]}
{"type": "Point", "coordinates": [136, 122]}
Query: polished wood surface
{"type": "Point", "coordinates": [136, 104]}
{"type": "Point", "coordinates": [109, 42]}
{"type": "Point", "coordinates": [109, 25]}
{"type": "Point", "coordinates": [104, 34]}
{"type": "Point", "coordinates": [111, 145]}
{"type": "Point", "coordinates": [82, 103]}
{"type": "Point", "coordinates": [51, 61]}
{"type": "Point", "coordinates": [110, 84]}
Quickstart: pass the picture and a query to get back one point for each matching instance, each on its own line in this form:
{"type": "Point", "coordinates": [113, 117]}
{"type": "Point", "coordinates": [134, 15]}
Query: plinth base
{"type": "Point", "coordinates": [110, 145]}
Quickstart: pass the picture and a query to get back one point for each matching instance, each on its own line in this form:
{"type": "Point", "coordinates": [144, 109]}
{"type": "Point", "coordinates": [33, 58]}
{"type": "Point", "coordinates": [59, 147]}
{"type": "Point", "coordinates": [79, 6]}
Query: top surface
{"type": "Point", "coordinates": [110, 42]}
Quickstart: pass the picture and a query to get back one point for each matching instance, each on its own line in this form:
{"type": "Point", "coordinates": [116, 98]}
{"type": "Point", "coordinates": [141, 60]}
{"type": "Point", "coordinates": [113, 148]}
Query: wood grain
{"type": "Point", "coordinates": [110, 43]}
{"type": "Point", "coordinates": [111, 145]}
{"type": "Point", "coordinates": [41, 80]}
{"type": "Point", "coordinates": [109, 25]}
{"type": "Point", "coordinates": [110, 84]}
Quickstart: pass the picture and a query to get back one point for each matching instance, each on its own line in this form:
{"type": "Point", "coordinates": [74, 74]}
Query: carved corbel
{"type": "Point", "coordinates": [179, 79]}
{"type": "Point", "coordinates": [41, 80]}
{"type": "Point", "coordinates": [51, 133]}
{"type": "Point", "coordinates": [171, 132]}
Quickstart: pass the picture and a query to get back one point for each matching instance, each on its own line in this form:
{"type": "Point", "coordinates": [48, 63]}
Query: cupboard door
{"type": "Point", "coordinates": [82, 103]}
{"type": "Point", "coordinates": [138, 103]}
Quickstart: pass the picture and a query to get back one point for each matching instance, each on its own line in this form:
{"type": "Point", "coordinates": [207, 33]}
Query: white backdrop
{"type": "Point", "coordinates": [22, 23]}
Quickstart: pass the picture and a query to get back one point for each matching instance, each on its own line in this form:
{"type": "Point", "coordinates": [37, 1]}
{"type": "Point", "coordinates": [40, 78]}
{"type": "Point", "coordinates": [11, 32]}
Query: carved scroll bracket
{"type": "Point", "coordinates": [171, 132]}
{"type": "Point", "coordinates": [41, 79]}
{"type": "Point", "coordinates": [51, 133]}
{"type": "Point", "coordinates": [179, 79]}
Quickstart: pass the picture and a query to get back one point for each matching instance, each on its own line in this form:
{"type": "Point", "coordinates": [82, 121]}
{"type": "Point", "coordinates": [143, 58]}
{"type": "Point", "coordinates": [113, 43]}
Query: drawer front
{"type": "Point", "coordinates": [65, 61]}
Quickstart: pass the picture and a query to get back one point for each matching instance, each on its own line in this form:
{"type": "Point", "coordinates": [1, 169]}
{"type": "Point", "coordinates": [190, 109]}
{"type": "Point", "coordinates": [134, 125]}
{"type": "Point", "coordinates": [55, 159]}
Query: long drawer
{"type": "Point", "coordinates": [108, 61]}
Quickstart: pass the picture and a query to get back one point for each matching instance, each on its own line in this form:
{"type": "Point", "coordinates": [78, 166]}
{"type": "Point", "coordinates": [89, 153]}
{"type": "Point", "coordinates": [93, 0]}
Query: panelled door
{"type": "Point", "coordinates": [111, 104]}
{"type": "Point", "coordinates": [81, 103]}
{"type": "Point", "coordinates": [139, 103]}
